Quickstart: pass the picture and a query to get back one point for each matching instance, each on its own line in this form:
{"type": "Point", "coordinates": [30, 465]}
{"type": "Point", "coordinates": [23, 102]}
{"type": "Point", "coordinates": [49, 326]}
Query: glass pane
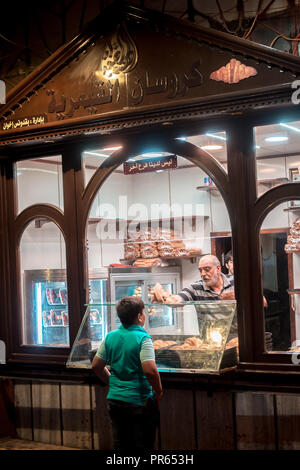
{"type": "Point", "coordinates": [277, 154]}
{"type": "Point", "coordinates": [153, 226]}
{"type": "Point", "coordinates": [212, 142]}
{"type": "Point", "coordinates": [44, 286]}
{"type": "Point", "coordinates": [92, 160]}
{"type": "Point", "coordinates": [38, 181]}
{"type": "Point", "coordinates": [280, 251]}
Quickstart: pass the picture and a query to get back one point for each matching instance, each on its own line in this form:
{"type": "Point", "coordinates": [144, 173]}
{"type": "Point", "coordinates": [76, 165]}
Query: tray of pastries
{"type": "Point", "coordinates": [190, 352]}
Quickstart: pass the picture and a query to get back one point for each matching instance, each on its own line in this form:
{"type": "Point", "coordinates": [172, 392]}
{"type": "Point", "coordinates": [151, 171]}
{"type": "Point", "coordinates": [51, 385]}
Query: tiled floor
{"type": "Point", "coordinates": [20, 444]}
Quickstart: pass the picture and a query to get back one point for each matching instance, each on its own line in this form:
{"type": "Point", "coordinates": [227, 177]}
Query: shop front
{"type": "Point", "coordinates": [134, 150]}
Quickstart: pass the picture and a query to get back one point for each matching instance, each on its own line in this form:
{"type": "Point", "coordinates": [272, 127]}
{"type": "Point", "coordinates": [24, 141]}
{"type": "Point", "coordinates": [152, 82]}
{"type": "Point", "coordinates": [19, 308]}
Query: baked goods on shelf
{"type": "Point", "coordinates": [159, 242]}
{"type": "Point", "coordinates": [293, 239]}
{"type": "Point", "coordinates": [131, 250]}
{"type": "Point", "coordinates": [149, 249]}
{"type": "Point", "coordinates": [146, 263]}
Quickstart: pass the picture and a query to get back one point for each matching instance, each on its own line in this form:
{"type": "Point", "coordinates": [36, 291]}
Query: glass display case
{"type": "Point", "coordinates": [189, 337]}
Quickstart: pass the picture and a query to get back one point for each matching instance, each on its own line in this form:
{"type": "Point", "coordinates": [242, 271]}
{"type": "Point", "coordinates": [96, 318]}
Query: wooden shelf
{"type": "Point", "coordinates": [207, 188]}
{"type": "Point", "coordinates": [162, 258]}
{"type": "Point", "coordinates": [274, 181]}
{"type": "Point", "coordinates": [293, 209]}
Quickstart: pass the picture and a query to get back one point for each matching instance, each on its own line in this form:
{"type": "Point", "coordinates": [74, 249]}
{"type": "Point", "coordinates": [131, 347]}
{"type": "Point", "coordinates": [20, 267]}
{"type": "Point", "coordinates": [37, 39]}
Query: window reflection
{"type": "Point", "coordinates": [277, 148]}
{"type": "Point", "coordinates": [280, 251]}
{"type": "Point", "coordinates": [39, 181]}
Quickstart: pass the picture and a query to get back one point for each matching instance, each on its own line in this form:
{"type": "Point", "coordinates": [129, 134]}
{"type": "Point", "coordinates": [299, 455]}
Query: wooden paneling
{"type": "Point", "coordinates": [101, 423]}
{"type": "Point", "coordinates": [177, 424]}
{"type": "Point", "coordinates": [215, 427]}
{"type": "Point", "coordinates": [255, 423]}
{"type": "Point", "coordinates": [288, 422]}
{"type": "Point", "coordinates": [7, 414]}
{"type": "Point", "coordinates": [23, 410]}
{"type": "Point", "coordinates": [76, 416]}
{"type": "Point", "coordinates": [46, 413]}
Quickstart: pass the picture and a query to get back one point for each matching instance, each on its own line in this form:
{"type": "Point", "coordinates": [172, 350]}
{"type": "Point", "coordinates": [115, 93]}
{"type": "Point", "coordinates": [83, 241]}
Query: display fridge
{"type": "Point", "coordinates": [46, 315]}
{"type": "Point", "coordinates": [126, 282]}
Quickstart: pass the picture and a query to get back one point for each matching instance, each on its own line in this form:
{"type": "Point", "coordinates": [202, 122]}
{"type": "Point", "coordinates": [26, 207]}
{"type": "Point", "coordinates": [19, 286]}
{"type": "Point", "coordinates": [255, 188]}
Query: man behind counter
{"type": "Point", "coordinates": [213, 285]}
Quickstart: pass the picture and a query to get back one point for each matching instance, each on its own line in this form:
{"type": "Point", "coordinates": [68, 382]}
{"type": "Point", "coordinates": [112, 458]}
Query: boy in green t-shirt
{"type": "Point", "coordinates": [132, 379]}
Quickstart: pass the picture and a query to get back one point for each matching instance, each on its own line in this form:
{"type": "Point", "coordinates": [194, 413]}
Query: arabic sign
{"type": "Point", "coordinates": [174, 84]}
{"type": "Point", "coordinates": [110, 91]}
{"type": "Point", "coordinates": [24, 122]}
{"type": "Point", "coordinates": [150, 164]}
{"type": "Point", "coordinates": [122, 73]}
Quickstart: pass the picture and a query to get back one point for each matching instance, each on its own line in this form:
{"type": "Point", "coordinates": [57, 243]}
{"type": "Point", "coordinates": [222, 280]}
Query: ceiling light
{"type": "Point", "coordinates": [296, 129]}
{"type": "Point", "coordinates": [211, 147]}
{"type": "Point", "coordinates": [276, 138]}
{"type": "Point", "coordinates": [97, 154]}
{"type": "Point", "coordinates": [112, 148]}
{"type": "Point", "coordinates": [180, 138]}
{"type": "Point", "coordinates": [215, 136]}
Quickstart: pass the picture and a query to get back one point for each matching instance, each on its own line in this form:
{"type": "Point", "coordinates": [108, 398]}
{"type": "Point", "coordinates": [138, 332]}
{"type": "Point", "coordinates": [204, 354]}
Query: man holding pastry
{"type": "Point", "coordinates": [213, 285]}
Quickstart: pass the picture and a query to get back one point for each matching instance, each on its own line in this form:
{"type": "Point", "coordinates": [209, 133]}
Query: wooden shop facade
{"type": "Point", "coordinates": [143, 118]}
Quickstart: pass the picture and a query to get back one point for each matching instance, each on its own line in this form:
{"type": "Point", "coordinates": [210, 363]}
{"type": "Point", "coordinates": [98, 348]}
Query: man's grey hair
{"type": "Point", "coordinates": [212, 258]}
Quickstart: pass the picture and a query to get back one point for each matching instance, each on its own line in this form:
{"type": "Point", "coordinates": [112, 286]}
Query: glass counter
{"type": "Point", "coordinates": [187, 337]}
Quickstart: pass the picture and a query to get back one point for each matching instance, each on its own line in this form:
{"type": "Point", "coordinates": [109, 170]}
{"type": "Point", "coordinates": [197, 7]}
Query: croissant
{"type": "Point", "coordinates": [233, 72]}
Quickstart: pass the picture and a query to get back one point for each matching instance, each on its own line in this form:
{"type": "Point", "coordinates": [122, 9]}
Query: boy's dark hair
{"type": "Point", "coordinates": [128, 309]}
{"type": "Point", "coordinates": [228, 257]}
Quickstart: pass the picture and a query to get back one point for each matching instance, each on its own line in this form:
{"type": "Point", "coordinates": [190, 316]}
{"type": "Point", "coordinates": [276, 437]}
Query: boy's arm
{"type": "Point", "coordinates": [98, 366]}
{"type": "Point", "coordinates": [153, 377]}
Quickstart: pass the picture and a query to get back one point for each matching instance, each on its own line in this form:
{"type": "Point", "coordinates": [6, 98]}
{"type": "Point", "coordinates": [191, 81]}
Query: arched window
{"type": "Point", "coordinates": [151, 221]}
{"type": "Point", "coordinates": [280, 259]}
{"type": "Point", "coordinates": [45, 317]}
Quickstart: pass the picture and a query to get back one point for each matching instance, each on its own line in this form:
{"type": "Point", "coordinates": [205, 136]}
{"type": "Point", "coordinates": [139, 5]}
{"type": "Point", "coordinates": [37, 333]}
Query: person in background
{"type": "Point", "coordinates": [135, 388]}
{"type": "Point", "coordinates": [213, 285]}
{"type": "Point", "coordinates": [229, 264]}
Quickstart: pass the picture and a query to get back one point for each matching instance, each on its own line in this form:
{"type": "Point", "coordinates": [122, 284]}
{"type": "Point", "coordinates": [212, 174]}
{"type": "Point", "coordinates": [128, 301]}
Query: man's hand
{"type": "Point", "coordinates": [164, 297]}
{"type": "Point", "coordinates": [228, 295]}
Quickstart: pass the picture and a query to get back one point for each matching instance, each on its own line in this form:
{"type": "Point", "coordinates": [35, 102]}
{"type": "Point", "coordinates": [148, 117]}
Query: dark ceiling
{"type": "Point", "coordinates": [33, 30]}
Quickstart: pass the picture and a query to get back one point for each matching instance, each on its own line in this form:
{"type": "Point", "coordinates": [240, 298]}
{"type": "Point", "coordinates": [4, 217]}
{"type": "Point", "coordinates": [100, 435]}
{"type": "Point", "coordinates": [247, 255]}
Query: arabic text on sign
{"type": "Point", "coordinates": [142, 166]}
{"type": "Point", "coordinates": [25, 122]}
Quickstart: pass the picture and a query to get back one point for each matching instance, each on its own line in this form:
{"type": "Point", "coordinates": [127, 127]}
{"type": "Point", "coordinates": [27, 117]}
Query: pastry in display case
{"type": "Point", "coordinates": [196, 339]}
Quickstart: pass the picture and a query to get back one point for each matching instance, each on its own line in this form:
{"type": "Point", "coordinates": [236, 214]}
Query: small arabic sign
{"type": "Point", "coordinates": [24, 122]}
{"type": "Point", "coordinates": [150, 164]}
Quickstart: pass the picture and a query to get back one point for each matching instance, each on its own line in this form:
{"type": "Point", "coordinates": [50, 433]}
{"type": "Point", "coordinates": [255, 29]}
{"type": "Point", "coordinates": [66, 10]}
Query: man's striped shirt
{"type": "Point", "coordinates": [200, 291]}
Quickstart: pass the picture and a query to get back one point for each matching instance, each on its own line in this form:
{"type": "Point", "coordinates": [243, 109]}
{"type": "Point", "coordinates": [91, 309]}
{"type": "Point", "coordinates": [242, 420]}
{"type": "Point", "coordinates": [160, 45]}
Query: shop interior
{"type": "Point", "coordinates": [153, 226]}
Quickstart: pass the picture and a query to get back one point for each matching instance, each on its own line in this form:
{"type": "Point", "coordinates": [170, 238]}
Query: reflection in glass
{"type": "Point", "coordinates": [277, 148]}
{"type": "Point", "coordinates": [39, 180]}
{"type": "Point", "coordinates": [280, 252]}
